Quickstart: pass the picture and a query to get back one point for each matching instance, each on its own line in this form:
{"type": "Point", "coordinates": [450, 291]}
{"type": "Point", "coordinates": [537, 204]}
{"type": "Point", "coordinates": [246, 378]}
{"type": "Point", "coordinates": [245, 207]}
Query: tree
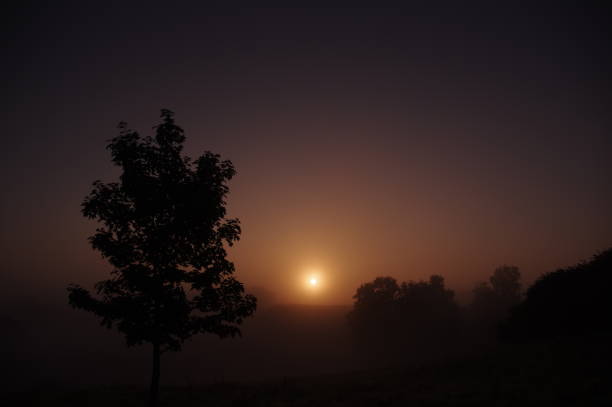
{"type": "Point", "coordinates": [573, 301]}
{"type": "Point", "coordinates": [506, 284]}
{"type": "Point", "coordinates": [164, 231]}
{"type": "Point", "coordinates": [430, 305]}
{"type": "Point", "coordinates": [492, 302]}
{"type": "Point", "coordinates": [379, 293]}
{"type": "Point", "coordinates": [397, 314]}
{"type": "Point", "coordinates": [373, 312]}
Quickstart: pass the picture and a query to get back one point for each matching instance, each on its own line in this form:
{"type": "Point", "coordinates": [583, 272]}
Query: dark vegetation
{"type": "Point", "coordinates": [574, 301]}
{"type": "Point", "coordinates": [392, 316]}
{"type": "Point", "coordinates": [570, 302]}
{"type": "Point", "coordinates": [164, 232]}
{"type": "Point", "coordinates": [426, 315]}
{"type": "Point", "coordinates": [492, 302]}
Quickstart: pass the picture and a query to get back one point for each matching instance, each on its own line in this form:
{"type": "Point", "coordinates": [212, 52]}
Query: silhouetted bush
{"type": "Point", "coordinates": [573, 301]}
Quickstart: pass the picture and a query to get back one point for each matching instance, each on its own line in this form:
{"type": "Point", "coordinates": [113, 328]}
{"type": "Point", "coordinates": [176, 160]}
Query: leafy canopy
{"type": "Point", "coordinates": [492, 301]}
{"type": "Point", "coordinates": [164, 230]}
{"type": "Point", "coordinates": [384, 308]}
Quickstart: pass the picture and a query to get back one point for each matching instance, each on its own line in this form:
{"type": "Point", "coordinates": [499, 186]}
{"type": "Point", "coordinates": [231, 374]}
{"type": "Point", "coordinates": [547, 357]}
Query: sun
{"type": "Point", "coordinates": [313, 281]}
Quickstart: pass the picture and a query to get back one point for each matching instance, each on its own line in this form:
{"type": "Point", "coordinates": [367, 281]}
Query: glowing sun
{"type": "Point", "coordinates": [313, 281]}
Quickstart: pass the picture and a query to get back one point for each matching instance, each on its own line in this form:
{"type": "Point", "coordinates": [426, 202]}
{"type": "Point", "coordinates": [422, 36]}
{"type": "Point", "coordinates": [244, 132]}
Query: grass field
{"type": "Point", "coordinates": [559, 373]}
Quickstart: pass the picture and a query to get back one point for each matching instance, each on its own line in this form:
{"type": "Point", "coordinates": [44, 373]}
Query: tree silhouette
{"type": "Point", "coordinates": [164, 231]}
{"type": "Point", "coordinates": [492, 302]}
{"type": "Point", "coordinates": [380, 293]}
{"type": "Point", "coordinates": [374, 312]}
{"type": "Point", "coordinates": [506, 283]}
{"type": "Point", "coordinates": [415, 311]}
{"type": "Point", "coordinates": [574, 301]}
{"type": "Point", "coordinates": [429, 305]}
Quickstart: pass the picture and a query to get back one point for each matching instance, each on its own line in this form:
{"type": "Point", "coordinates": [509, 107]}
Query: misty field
{"type": "Point", "coordinates": [563, 372]}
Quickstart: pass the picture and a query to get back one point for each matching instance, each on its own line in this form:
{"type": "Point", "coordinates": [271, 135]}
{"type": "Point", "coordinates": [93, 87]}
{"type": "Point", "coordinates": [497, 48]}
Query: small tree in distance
{"type": "Point", "coordinates": [492, 301]}
{"type": "Point", "coordinates": [164, 231]}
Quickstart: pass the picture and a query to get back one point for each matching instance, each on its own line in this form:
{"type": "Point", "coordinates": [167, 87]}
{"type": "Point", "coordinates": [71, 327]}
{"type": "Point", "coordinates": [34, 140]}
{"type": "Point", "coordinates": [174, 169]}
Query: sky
{"type": "Point", "coordinates": [444, 138]}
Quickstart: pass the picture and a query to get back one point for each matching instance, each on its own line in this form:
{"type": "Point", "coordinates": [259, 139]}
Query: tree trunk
{"type": "Point", "coordinates": [154, 393]}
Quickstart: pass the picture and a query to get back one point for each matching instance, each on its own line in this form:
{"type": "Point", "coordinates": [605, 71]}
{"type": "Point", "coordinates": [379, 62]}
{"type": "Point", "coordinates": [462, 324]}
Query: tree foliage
{"type": "Point", "coordinates": [573, 301]}
{"type": "Point", "coordinates": [384, 309]}
{"type": "Point", "coordinates": [492, 301]}
{"type": "Point", "coordinates": [164, 231]}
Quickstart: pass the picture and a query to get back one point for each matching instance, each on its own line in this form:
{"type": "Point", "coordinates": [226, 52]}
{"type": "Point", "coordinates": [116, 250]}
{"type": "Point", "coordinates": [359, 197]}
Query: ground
{"type": "Point", "coordinates": [557, 372]}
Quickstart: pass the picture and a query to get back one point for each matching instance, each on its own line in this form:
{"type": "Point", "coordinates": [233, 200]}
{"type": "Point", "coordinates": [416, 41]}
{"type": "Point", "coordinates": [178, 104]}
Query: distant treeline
{"type": "Point", "coordinates": [571, 301]}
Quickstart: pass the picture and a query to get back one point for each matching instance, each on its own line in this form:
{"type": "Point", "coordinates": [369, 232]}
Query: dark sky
{"type": "Point", "coordinates": [368, 141]}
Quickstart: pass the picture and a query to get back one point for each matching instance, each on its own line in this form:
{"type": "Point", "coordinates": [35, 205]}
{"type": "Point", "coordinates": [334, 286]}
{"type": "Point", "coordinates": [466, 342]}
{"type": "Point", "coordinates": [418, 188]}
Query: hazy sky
{"type": "Point", "coordinates": [404, 142]}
